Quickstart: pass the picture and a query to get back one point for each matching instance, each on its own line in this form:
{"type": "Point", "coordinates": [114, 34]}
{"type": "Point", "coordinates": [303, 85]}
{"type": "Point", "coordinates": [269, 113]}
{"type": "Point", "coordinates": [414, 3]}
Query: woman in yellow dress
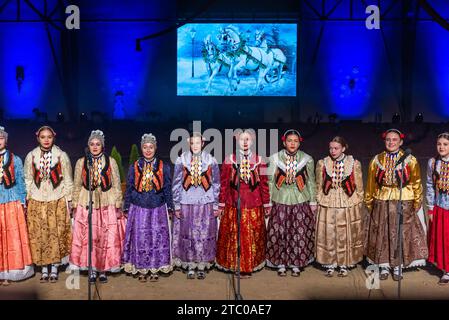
{"type": "Point", "coordinates": [381, 199]}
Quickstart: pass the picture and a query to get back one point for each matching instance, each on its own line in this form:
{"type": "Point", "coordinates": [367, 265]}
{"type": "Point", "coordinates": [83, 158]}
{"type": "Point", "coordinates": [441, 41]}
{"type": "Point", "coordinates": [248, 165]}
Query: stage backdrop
{"type": "Point", "coordinates": [237, 59]}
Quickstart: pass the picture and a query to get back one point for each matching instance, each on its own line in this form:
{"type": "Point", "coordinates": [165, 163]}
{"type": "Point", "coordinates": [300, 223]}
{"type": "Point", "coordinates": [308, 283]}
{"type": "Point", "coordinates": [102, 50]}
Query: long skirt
{"type": "Point", "coordinates": [381, 235]}
{"type": "Point", "coordinates": [15, 254]}
{"type": "Point", "coordinates": [439, 239]}
{"type": "Point", "coordinates": [253, 240]}
{"type": "Point", "coordinates": [50, 231]}
{"type": "Point", "coordinates": [108, 231]}
{"type": "Point", "coordinates": [147, 241]}
{"type": "Point", "coordinates": [290, 235]}
{"type": "Point", "coordinates": [195, 237]}
{"type": "Point", "coordinates": [339, 236]}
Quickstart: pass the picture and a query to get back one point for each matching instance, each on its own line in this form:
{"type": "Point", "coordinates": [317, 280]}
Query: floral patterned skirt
{"type": "Point", "coordinates": [290, 235]}
{"type": "Point", "coordinates": [195, 236]}
{"type": "Point", "coordinates": [50, 231]}
{"type": "Point", "coordinates": [253, 240]}
{"type": "Point", "coordinates": [381, 235]}
{"type": "Point", "coordinates": [147, 245]}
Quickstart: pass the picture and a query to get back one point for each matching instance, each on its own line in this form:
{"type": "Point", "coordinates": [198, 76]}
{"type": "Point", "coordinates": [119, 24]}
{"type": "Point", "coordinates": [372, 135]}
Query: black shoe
{"type": "Point", "coordinates": [53, 277]}
{"type": "Point", "coordinates": [44, 278]}
{"type": "Point", "coordinates": [383, 276]}
{"type": "Point", "coordinates": [397, 277]}
{"type": "Point", "coordinates": [443, 281]}
{"type": "Point", "coordinates": [93, 278]}
{"type": "Point", "coordinates": [103, 278]}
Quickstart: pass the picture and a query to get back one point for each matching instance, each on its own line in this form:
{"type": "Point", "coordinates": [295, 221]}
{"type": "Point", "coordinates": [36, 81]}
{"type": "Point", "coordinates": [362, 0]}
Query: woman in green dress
{"type": "Point", "coordinates": [292, 220]}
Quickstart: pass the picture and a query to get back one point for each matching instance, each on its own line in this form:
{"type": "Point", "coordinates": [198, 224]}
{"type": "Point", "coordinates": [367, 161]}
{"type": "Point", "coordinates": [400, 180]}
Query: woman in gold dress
{"type": "Point", "coordinates": [48, 179]}
{"type": "Point", "coordinates": [339, 237]}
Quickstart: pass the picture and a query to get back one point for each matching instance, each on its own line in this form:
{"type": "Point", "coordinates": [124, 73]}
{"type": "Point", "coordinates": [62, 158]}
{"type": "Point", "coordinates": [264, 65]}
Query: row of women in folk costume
{"type": "Point", "coordinates": [312, 214]}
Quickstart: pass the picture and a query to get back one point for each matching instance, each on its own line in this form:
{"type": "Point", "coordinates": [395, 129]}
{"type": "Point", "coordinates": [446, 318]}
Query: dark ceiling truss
{"type": "Point", "coordinates": [309, 10]}
{"type": "Point", "coordinates": [63, 69]}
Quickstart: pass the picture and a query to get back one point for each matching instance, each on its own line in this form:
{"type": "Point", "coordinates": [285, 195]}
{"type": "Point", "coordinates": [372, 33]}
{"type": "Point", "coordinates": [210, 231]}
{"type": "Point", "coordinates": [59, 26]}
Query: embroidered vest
{"type": "Point", "coordinates": [105, 176]}
{"type": "Point", "coordinates": [300, 178]}
{"type": "Point", "coordinates": [380, 176]}
{"type": "Point", "coordinates": [253, 180]}
{"type": "Point", "coordinates": [158, 176]}
{"type": "Point", "coordinates": [347, 184]}
{"type": "Point", "coordinates": [439, 186]}
{"type": "Point", "coordinates": [206, 179]}
{"type": "Point", "coordinates": [55, 176]}
{"type": "Point", "coordinates": [384, 178]}
{"type": "Point", "coordinates": [9, 177]}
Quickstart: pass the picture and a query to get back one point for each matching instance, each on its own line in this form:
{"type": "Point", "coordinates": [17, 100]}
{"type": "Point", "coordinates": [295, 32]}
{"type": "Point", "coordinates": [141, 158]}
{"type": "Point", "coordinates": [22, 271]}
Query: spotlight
{"type": "Point", "coordinates": [396, 118]}
{"type": "Point", "coordinates": [60, 117]}
{"type": "Point", "coordinates": [83, 117]}
{"type": "Point", "coordinates": [419, 118]}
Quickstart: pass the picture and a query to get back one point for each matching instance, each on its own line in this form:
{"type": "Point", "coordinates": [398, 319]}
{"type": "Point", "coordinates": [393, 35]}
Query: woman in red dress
{"type": "Point", "coordinates": [438, 203]}
{"type": "Point", "coordinates": [247, 171]}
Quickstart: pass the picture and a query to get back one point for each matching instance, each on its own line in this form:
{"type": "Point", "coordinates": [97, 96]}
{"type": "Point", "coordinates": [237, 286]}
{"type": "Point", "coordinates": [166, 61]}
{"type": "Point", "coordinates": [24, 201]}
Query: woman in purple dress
{"type": "Point", "coordinates": [148, 201]}
{"type": "Point", "coordinates": [196, 187]}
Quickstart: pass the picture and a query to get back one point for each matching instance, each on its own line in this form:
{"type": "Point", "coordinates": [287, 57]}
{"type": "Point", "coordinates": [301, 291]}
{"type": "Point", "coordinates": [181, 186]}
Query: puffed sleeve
{"type": "Point", "coordinates": [319, 180]}
{"type": "Point", "coordinates": [67, 181]}
{"type": "Point", "coordinates": [77, 182]}
{"type": "Point", "coordinates": [177, 183]}
{"type": "Point", "coordinates": [28, 174]}
{"type": "Point", "coordinates": [215, 182]}
{"type": "Point", "coordinates": [129, 187]}
{"type": "Point", "coordinates": [166, 189]}
{"type": "Point", "coordinates": [311, 183]}
{"type": "Point", "coordinates": [370, 186]}
{"type": "Point", "coordinates": [430, 187]}
{"type": "Point", "coordinates": [271, 172]}
{"type": "Point", "coordinates": [358, 175]}
{"type": "Point", "coordinates": [20, 181]}
{"type": "Point", "coordinates": [225, 176]}
{"type": "Point", "coordinates": [264, 188]}
{"type": "Point", "coordinates": [415, 180]}
{"type": "Point", "coordinates": [116, 184]}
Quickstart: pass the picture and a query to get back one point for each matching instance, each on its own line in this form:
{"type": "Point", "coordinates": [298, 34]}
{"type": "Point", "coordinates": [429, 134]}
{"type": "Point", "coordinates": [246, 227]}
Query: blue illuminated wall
{"type": "Point", "coordinates": [112, 72]}
{"type": "Point", "coordinates": [351, 75]}
{"type": "Point", "coordinates": [431, 85]}
{"type": "Point", "coordinates": [27, 45]}
{"type": "Point", "coordinates": [349, 71]}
